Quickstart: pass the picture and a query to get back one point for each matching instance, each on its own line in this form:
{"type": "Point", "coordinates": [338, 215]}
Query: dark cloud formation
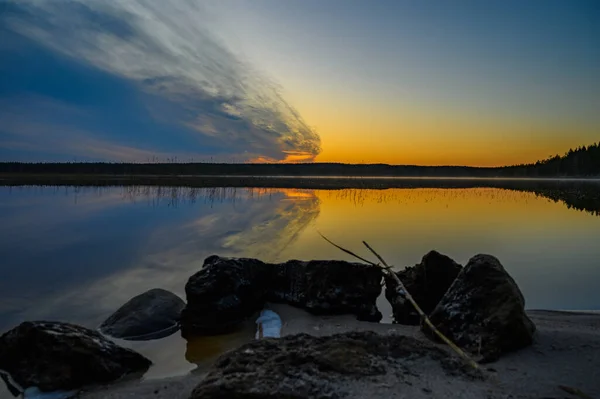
{"type": "Point", "coordinates": [146, 77]}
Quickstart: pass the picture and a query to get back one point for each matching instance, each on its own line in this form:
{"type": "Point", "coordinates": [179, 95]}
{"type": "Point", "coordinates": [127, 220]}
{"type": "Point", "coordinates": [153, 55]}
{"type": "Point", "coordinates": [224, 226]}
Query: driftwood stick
{"type": "Point", "coordinates": [424, 317]}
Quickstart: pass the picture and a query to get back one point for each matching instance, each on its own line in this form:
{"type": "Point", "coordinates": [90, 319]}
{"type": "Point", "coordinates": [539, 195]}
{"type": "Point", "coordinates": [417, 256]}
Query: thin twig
{"type": "Point", "coordinates": [385, 265]}
{"type": "Point", "coordinates": [347, 251]}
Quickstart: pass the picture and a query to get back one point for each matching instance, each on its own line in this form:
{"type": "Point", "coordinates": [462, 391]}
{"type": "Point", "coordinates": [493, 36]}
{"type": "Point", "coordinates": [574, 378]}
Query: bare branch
{"type": "Point", "coordinates": [347, 251]}
{"type": "Point", "coordinates": [424, 317]}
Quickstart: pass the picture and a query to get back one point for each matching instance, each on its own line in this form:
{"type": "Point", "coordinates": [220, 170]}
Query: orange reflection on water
{"type": "Point", "coordinates": [294, 193]}
{"type": "Point", "coordinates": [407, 223]}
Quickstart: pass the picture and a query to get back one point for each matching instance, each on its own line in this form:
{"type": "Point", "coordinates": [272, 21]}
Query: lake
{"type": "Point", "coordinates": [78, 253]}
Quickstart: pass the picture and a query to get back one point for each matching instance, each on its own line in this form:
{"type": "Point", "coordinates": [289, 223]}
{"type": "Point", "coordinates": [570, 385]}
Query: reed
{"type": "Point", "coordinates": [404, 292]}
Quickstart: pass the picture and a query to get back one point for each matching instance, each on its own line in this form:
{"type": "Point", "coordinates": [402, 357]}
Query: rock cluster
{"type": "Point", "coordinates": [479, 307]}
{"type": "Point", "coordinates": [483, 311]}
{"type": "Point", "coordinates": [427, 282]}
{"type": "Point", "coordinates": [228, 290]}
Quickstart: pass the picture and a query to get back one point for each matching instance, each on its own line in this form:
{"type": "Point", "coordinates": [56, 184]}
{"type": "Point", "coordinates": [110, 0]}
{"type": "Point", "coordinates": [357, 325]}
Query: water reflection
{"type": "Point", "coordinates": [203, 351]}
{"type": "Point", "coordinates": [78, 253]}
{"type": "Point", "coordinates": [149, 246]}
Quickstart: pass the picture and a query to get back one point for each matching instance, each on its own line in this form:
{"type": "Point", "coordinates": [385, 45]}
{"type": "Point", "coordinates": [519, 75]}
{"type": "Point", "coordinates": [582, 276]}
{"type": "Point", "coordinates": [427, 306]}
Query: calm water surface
{"type": "Point", "coordinates": [77, 254]}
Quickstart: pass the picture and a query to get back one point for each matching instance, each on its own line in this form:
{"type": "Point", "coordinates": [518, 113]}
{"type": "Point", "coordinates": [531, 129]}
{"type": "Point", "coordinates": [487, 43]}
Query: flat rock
{"type": "Point", "coordinates": [483, 310]}
{"type": "Point", "coordinates": [427, 282]}
{"type": "Point", "coordinates": [304, 366]}
{"type": "Point", "coordinates": [55, 356]}
{"type": "Point", "coordinates": [151, 315]}
{"type": "Point", "coordinates": [228, 290]}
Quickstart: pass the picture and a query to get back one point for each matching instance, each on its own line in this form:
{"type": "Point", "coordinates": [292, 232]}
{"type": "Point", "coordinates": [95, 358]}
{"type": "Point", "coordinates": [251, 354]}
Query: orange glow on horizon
{"type": "Point", "coordinates": [290, 157]}
{"type": "Point", "coordinates": [360, 128]}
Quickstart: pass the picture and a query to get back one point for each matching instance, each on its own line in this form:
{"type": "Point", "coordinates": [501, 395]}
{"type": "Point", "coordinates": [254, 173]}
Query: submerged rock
{"type": "Point", "coordinates": [305, 366]}
{"type": "Point", "coordinates": [328, 287]}
{"type": "Point", "coordinates": [54, 356]}
{"type": "Point", "coordinates": [427, 282]}
{"type": "Point", "coordinates": [228, 290]}
{"type": "Point", "coordinates": [484, 310]}
{"type": "Point", "coordinates": [151, 315]}
{"type": "Point", "coordinates": [224, 293]}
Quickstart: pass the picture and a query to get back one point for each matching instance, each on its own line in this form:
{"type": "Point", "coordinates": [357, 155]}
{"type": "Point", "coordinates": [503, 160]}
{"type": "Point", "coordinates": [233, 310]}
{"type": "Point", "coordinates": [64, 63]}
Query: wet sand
{"type": "Point", "coordinates": [566, 354]}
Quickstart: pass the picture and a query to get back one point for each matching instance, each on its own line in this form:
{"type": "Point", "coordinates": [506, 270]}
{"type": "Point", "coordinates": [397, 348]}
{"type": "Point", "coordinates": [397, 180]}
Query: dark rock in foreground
{"type": "Point", "coordinates": [304, 366]}
{"type": "Point", "coordinates": [228, 290]}
{"type": "Point", "coordinates": [151, 315]}
{"type": "Point", "coordinates": [483, 311]}
{"type": "Point", "coordinates": [223, 294]}
{"type": "Point", "coordinates": [427, 282]}
{"type": "Point", "coordinates": [328, 287]}
{"type": "Point", "coordinates": [60, 356]}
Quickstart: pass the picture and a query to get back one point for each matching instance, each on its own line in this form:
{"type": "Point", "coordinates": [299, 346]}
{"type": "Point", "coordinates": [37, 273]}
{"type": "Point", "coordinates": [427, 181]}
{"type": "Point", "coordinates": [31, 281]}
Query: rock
{"type": "Point", "coordinates": [54, 356]}
{"type": "Point", "coordinates": [483, 310]}
{"type": "Point", "coordinates": [329, 287]}
{"type": "Point", "coordinates": [228, 290]}
{"type": "Point", "coordinates": [151, 315]}
{"type": "Point", "coordinates": [305, 366]}
{"type": "Point", "coordinates": [224, 293]}
{"type": "Point", "coordinates": [427, 282]}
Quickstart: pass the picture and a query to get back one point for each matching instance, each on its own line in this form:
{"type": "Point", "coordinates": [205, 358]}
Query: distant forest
{"type": "Point", "coordinates": [581, 162]}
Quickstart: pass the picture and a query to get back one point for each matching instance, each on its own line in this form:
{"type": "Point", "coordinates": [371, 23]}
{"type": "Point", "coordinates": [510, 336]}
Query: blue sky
{"type": "Point", "coordinates": [425, 82]}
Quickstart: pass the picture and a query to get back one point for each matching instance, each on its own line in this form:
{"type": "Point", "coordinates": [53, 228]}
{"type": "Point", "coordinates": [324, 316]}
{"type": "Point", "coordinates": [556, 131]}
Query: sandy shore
{"type": "Point", "coordinates": [566, 353]}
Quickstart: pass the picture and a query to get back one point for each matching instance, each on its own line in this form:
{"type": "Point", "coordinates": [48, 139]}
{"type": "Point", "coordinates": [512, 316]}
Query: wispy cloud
{"type": "Point", "coordinates": [186, 76]}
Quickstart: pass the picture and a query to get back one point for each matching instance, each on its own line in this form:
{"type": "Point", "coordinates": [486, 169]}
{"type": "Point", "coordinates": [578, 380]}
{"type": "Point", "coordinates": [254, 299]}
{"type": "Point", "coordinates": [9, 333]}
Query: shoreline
{"type": "Point", "coordinates": [300, 182]}
{"type": "Point", "coordinates": [566, 352]}
{"type": "Point", "coordinates": [577, 193]}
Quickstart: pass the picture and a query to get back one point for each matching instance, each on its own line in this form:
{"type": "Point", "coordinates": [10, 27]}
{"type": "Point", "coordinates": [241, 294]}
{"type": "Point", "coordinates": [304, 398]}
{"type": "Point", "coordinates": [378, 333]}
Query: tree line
{"type": "Point", "coordinates": [581, 162]}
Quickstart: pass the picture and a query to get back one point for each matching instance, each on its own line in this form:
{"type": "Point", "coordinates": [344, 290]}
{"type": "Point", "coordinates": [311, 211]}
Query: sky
{"type": "Point", "coordinates": [480, 83]}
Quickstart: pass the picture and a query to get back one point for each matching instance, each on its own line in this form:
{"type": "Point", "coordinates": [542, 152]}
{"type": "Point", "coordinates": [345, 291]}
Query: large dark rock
{"type": "Point", "coordinates": [305, 366]}
{"type": "Point", "coordinates": [60, 356]}
{"type": "Point", "coordinates": [328, 287]}
{"type": "Point", "coordinates": [427, 282]}
{"type": "Point", "coordinates": [224, 293]}
{"type": "Point", "coordinates": [483, 311]}
{"type": "Point", "coordinates": [151, 315]}
{"type": "Point", "coordinates": [228, 290]}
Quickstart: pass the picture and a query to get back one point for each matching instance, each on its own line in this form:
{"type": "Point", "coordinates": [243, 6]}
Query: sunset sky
{"type": "Point", "coordinates": [464, 82]}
